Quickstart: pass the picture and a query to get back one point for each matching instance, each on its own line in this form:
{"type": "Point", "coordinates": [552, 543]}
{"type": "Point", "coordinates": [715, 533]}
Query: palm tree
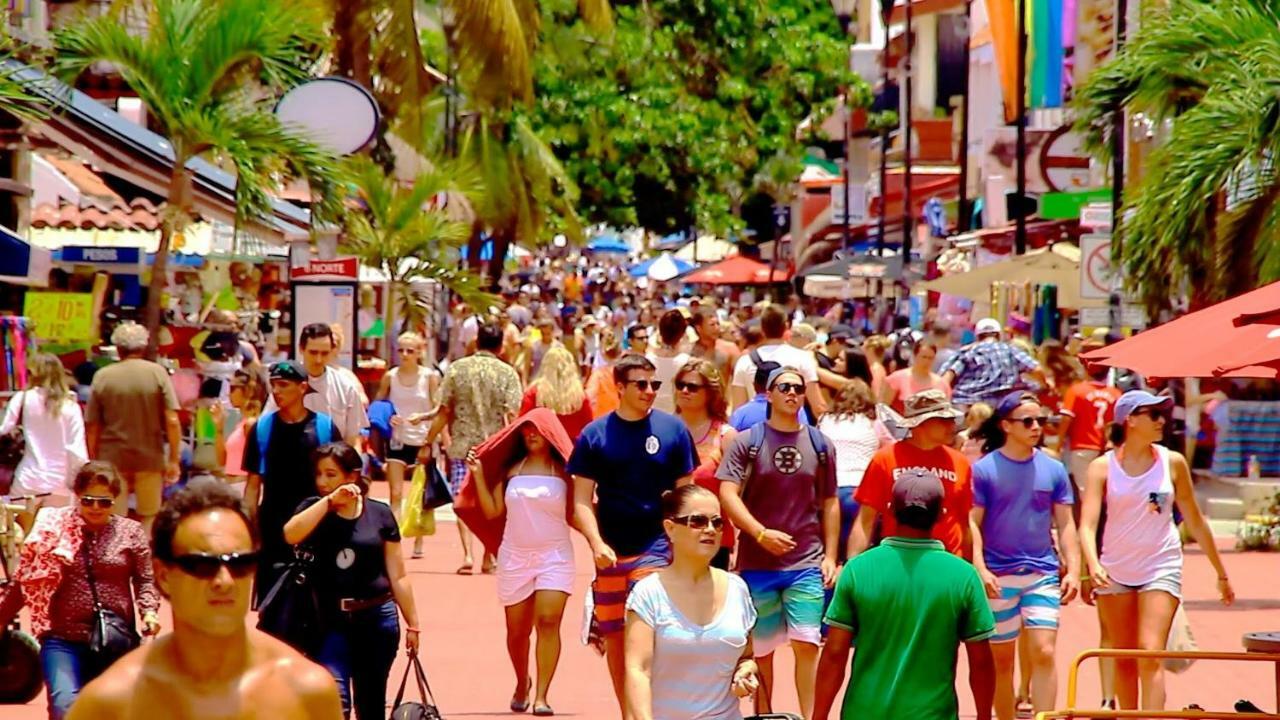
{"type": "Point", "coordinates": [1204, 216]}
{"type": "Point", "coordinates": [401, 231]}
{"type": "Point", "coordinates": [206, 70]}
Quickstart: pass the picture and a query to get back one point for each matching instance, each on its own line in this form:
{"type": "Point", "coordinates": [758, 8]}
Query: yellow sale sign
{"type": "Point", "coordinates": [60, 316]}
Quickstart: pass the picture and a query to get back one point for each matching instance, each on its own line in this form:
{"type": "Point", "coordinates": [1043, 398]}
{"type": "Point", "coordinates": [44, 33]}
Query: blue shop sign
{"type": "Point", "coordinates": [100, 255]}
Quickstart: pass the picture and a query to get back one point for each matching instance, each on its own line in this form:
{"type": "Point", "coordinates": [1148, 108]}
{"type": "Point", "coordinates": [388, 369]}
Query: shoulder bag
{"type": "Point", "coordinates": [425, 710]}
{"type": "Point", "coordinates": [13, 446]}
{"type": "Point", "coordinates": [436, 492]}
{"type": "Point", "coordinates": [110, 635]}
{"type": "Point", "coordinates": [291, 609]}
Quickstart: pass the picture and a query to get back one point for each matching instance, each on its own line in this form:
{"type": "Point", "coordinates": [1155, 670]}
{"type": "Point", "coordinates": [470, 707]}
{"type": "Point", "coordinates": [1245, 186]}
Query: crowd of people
{"type": "Point", "coordinates": [747, 477]}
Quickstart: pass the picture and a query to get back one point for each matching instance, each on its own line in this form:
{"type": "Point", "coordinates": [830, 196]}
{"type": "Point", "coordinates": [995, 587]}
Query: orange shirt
{"type": "Point", "coordinates": [602, 392]}
{"type": "Point", "coordinates": [1091, 405]}
{"type": "Point", "coordinates": [876, 490]}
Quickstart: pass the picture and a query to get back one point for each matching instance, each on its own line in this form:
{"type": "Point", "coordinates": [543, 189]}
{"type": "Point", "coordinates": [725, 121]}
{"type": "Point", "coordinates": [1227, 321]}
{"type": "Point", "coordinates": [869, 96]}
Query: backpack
{"type": "Point", "coordinates": [324, 429]}
{"type": "Point", "coordinates": [755, 439]}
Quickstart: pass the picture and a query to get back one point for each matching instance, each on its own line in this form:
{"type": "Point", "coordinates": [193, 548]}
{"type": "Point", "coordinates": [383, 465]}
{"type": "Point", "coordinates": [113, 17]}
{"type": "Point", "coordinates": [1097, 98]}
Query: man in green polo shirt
{"type": "Point", "coordinates": [908, 604]}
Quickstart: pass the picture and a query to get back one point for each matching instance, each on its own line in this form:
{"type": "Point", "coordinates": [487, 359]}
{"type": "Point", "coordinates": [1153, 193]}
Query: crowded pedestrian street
{"type": "Point", "coordinates": [672, 360]}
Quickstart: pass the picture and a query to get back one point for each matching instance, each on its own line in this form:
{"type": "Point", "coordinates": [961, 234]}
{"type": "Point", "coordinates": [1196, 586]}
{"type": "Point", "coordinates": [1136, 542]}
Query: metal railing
{"type": "Point", "coordinates": [1073, 680]}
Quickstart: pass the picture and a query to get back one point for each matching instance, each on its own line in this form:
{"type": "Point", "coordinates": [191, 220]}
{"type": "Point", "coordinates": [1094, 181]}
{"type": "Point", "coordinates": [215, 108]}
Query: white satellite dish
{"type": "Point", "coordinates": [333, 112]}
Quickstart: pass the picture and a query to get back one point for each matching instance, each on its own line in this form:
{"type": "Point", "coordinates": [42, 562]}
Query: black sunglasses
{"type": "Point", "coordinates": [789, 388]}
{"type": "Point", "coordinates": [1156, 414]}
{"type": "Point", "coordinates": [644, 385]}
{"type": "Point", "coordinates": [98, 501]}
{"type": "Point", "coordinates": [698, 521]}
{"type": "Point", "coordinates": [1027, 422]}
{"type": "Point", "coordinates": [206, 566]}
{"type": "Point", "coordinates": [683, 386]}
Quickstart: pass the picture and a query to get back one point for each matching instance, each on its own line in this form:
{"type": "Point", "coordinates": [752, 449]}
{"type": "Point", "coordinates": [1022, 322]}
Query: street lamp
{"type": "Point", "coordinates": [844, 10]}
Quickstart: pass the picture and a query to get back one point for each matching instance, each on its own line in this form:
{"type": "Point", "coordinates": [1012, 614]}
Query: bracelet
{"type": "Point", "coordinates": [760, 535]}
{"type": "Point", "coordinates": [412, 629]}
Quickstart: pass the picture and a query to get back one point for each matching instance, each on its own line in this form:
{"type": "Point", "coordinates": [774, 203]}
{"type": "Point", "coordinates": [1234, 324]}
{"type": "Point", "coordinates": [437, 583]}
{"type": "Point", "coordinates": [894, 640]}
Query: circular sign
{"type": "Point", "coordinates": [334, 113]}
{"type": "Point", "coordinates": [1063, 166]}
{"type": "Point", "coordinates": [1097, 267]}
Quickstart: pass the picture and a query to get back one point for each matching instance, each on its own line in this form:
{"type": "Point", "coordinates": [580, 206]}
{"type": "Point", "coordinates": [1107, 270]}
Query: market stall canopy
{"type": "Point", "coordinates": [1239, 337]}
{"type": "Point", "coordinates": [22, 264]}
{"type": "Point", "coordinates": [707, 248]}
{"type": "Point", "coordinates": [737, 270]}
{"type": "Point", "coordinates": [661, 268]}
{"type": "Point", "coordinates": [1059, 265]}
{"type": "Point", "coordinates": [608, 244]}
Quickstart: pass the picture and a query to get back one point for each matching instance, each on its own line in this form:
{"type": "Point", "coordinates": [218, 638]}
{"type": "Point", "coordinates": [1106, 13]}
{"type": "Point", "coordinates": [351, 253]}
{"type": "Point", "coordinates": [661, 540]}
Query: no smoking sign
{"type": "Point", "coordinates": [1095, 267]}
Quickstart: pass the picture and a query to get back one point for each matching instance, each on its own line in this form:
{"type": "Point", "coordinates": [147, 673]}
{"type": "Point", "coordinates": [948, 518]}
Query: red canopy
{"type": "Point", "coordinates": [736, 270]}
{"type": "Point", "coordinates": [1239, 337]}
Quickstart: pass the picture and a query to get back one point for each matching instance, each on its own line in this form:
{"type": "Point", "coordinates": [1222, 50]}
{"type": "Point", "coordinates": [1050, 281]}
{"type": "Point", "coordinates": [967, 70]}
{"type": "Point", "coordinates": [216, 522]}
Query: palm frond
{"type": "Point", "coordinates": [495, 46]}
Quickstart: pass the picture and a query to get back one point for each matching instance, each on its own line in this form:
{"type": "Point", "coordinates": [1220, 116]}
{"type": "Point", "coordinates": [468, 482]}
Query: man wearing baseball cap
{"type": "Point", "coordinates": [987, 369]}
{"type": "Point", "coordinates": [930, 421]}
{"type": "Point", "coordinates": [909, 604]}
{"type": "Point", "coordinates": [277, 455]}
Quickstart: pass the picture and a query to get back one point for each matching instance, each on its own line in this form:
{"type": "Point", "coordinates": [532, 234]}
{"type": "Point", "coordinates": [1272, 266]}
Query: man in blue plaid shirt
{"type": "Point", "coordinates": [988, 369]}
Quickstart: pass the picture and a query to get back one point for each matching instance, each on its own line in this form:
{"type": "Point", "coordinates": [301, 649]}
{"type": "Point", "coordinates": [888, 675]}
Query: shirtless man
{"type": "Point", "coordinates": [211, 667]}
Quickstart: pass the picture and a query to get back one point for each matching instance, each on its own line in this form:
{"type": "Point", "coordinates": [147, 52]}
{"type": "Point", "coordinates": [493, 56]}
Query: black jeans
{"type": "Point", "coordinates": [358, 651]}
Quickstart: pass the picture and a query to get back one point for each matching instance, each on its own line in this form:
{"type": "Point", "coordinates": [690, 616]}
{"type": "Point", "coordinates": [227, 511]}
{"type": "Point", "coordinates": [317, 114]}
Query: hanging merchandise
{"type": "Point", "coordinates": [15, 341]}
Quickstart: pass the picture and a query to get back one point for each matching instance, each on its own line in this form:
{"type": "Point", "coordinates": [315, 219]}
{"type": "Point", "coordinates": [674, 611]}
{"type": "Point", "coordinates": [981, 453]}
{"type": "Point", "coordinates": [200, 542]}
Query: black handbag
{"type": "Point", "coordinates": [291, 609]}
{"type": "Point", "coordinates": [436, 493]}
{"type": "Point", "coordinates": [425, 710]}
{"type": "Point", "coordinates": [110, 636]}
{"type": "Point", "coordinates": [13, 446]}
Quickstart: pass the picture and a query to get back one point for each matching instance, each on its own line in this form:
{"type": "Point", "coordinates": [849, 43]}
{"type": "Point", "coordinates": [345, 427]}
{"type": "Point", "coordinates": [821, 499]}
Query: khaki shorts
{"type": "Point", "coordinates": [1078, 465]}
{"type": "Point", "coordinates": [148, 489]}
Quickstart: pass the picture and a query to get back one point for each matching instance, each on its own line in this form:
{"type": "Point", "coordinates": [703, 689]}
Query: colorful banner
{"type": "Point", "coordinates": [1095, 36]}
{"type": "Point", "coordinates": [60, 316]}
{"type": "Point", "coordinates": [1046, 54]}
{"type": "Point", "coordinates": [1004, 38]}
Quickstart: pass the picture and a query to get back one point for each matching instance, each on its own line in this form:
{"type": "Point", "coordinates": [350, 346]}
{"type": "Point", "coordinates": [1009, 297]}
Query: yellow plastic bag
{"type": "Point", "coordinates": [414, 520]}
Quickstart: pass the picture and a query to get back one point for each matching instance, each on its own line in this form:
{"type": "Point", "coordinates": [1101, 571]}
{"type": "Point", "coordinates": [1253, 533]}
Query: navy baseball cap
{"type": "Point", "coordinates": [1011, 401]}
{"type": "Point", "coordinates": [918, 489]}
{"type": "Point", "coordinates": [1136, 400]}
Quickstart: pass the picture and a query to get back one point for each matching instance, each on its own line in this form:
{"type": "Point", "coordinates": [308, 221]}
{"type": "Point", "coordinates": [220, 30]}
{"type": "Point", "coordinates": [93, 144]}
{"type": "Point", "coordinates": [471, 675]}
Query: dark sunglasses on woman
{"type": "Point", "coordinates": [683, 386]}
{"type": "Point", "coordinates": [1156, 414]}
{"type": "Point", "coordinates": [99, 501]}
{"type": "Point", "coordinates": [698, 521]}
{"type": "Point", "coordinates": [206, 565]}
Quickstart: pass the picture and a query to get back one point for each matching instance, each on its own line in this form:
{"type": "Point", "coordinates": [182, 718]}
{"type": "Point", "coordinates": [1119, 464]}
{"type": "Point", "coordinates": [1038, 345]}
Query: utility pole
{"type": "Point", "coordinates": [1020, 227]}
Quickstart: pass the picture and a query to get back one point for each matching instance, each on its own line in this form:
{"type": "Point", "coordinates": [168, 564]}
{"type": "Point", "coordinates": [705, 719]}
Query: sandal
{"type": "Point", "coordinates": [465, 569]}
{"type": "Point", "coordinates": [522, 705]}
{"type": "Point", "coordinates": [543, 710]}
{"type": "Point", "coordinates": [1023, 707]}
{"type": "Point", "coordinates": [489, 566]}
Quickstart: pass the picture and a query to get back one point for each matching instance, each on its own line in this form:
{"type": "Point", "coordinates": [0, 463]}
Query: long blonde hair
{"type": "Point", "coordinates": [45, 371]}
{"type": "Point", "coordinates": [558, 385]}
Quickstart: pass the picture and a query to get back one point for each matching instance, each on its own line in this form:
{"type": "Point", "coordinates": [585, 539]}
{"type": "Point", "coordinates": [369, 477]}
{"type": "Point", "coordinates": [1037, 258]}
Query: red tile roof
{"type": "Point", "coordinates": [139, 215]}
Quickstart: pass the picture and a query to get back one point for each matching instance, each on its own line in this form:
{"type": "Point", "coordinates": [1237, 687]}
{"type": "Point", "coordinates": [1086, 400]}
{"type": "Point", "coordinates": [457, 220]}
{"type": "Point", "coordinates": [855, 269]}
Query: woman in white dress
{"type": "Point", "coordinates": [54, 425]}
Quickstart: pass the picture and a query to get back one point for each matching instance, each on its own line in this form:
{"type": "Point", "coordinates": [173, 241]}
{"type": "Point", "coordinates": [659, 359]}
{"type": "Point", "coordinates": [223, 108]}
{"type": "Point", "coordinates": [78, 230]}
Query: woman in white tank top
{"type": "Point", "coordinates": [1137, 578]}
{"type": "Point", "coordinates": [410, 387]}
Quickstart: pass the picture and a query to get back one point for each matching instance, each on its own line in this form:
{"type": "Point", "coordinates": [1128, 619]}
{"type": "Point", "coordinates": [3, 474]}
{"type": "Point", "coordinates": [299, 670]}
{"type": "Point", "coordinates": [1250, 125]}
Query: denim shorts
{"type": "Point", "coordinates": [1170, 582]}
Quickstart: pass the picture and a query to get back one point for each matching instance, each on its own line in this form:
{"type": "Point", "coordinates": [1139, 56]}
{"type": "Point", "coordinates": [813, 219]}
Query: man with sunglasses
{"type": "Point", "coordinates": [778, 485]}
{"type": "Point", "coordinates": [1020, 494]}
{"type": "Point", "coordinates": [625, 461]}
{"type": "Point", "coordinates": [212, 664]}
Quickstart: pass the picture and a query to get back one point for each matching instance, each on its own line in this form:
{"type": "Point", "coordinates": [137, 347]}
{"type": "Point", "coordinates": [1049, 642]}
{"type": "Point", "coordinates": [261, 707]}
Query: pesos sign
{"type": "Point", "coordinates": [59, 316]}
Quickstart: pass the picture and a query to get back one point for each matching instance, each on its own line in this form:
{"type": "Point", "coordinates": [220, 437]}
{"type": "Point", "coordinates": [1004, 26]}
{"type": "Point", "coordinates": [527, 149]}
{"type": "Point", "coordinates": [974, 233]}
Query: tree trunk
{"type": "Point", "coordinates": [388, 332]}
{"type": "Point", "coordinates": [176, 220]}
{"type": "Point", "coordinates": [353, 49]}
{"type": "Point", "coordinates": [501, 243]}
{"type": "Point", "coordinates": [473, 249]}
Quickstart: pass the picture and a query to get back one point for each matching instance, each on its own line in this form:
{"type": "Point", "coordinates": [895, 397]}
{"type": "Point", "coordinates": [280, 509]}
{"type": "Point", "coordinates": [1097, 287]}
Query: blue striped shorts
{"type": "Point", "coordinates": [1032, 600]}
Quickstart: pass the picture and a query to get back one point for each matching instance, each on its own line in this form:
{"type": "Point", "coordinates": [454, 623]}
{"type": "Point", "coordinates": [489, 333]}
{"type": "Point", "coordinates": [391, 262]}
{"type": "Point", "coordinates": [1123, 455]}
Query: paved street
{"type": "Point", "coordinates": [466, 659]}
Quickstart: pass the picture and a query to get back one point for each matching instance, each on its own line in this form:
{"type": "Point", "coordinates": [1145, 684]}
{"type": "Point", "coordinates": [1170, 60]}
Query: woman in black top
{"type": "Point", "coordinates": [360, 578]}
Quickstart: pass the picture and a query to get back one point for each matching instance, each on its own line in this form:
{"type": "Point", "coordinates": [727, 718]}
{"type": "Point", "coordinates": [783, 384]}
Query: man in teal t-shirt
{"type": "Point", "coordinates": [907, 605]}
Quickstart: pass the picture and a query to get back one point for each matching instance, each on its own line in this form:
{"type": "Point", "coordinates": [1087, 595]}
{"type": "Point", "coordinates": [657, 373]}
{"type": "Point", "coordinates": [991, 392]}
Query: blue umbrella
{"type": "Point", "coordinates": [641, 269]}
{"type": "Point", "coordinates": [608, 243]}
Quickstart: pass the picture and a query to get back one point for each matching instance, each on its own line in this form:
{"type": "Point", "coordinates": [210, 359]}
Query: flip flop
{"type": "Point", "coordinates": [464, 569]}
{"type": "Point", "coordinates": [543, 711]}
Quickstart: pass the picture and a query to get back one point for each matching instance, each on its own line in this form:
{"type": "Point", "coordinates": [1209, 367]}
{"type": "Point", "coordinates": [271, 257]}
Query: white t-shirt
{"type": "Point", "coordinates": [665, 371]}
{"type": "Point", "coordinates": [744, 372]}
{"type": "Point", "coordinates": [855, 440]}
{"type": "Point", "coordinates": [337, 394]}
{"type": "Point", "coordinates": [55, 443]}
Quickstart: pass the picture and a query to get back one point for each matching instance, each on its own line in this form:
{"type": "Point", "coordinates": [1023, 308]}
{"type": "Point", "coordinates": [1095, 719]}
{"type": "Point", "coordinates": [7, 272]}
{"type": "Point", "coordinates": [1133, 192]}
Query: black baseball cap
{"type": "Point", "coordinates": [287, 370]}
{"type": "Point", "coordinates": [917, 498]}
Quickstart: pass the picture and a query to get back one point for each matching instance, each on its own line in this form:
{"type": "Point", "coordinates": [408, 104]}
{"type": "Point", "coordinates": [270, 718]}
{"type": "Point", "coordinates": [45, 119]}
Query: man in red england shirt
{"type": "Point", "coordinates": [930, 419]}
{"type": "Point", "coordinates": [1086, 411]}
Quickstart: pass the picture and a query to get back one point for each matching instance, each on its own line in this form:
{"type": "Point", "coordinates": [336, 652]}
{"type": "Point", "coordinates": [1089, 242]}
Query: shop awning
{"type": "Point", "coordinates": [22, 264]}
{"type": "Point", "coordinates": [93, 132]}
{"type": "Point", "coordinates": [737, 270]}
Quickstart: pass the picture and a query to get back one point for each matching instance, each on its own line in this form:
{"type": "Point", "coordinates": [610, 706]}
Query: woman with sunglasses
{"type": "Point", "coordinates": [688, 637]}
{"type": "Point", "coordinates": [558, 387]}
{"type": "Point", "coordinates": [904, 383]}
{"type": "Point", "coordinates": [410, 387]}
{"type": "Point", "coordinates": [75, 559]}
{"type": "Point", "coordinates": [1137, 575]}
{"type": "Point", "coordinates": [360, 578]}
{"type": "Point", "coordinates": [247, 394]}
{"type": "Point", "coordinates": [522, 494]}
{"type": "Point", "coordinates": [701, 404]}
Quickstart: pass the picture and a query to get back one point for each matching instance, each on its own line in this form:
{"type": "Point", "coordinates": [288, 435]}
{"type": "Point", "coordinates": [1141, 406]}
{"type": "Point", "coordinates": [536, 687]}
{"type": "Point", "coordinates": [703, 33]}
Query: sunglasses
{"type": "Point", "coordinates": [1027, 422]}
{"type": "Point", "coordinates": [789, 388]}
{"type": "Point", "coordinates": [406, 351]}
{"type": "Point", "coordinates": [99, 501]}
{"type": "Point", "coordinates": [1156, 414]}
{"type": "Point", "coordinates": [698, 521]}
{"type": "Point", "coordinates": [683, 386]}
{"type": "Point", "coordinates": [206, 566]}
{"type": "Point", "coordinates": [645, 385]}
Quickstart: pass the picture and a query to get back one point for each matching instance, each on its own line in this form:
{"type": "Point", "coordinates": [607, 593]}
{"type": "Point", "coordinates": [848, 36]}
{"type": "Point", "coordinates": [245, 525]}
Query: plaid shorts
{"type": "Point", "coordinates": [457, 473]}
{"type": "Point", "coordinates": [613, 584]}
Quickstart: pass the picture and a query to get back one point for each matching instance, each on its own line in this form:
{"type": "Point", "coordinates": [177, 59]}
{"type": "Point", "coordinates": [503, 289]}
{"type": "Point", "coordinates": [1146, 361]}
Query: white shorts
{"type": "Point", "coordinates": [521, 573]}
{"type": "Point", "coordinates": [1033, 600]}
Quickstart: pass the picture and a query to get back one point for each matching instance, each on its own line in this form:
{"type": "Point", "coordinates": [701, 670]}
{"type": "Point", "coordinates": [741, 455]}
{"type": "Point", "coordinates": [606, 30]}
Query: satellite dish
{"type": "Point", "coordinates": [333, 112]}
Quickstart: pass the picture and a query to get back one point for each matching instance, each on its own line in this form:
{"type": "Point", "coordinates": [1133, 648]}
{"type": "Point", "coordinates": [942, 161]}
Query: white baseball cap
{"type": "Point", "coordinates": [987, 326]}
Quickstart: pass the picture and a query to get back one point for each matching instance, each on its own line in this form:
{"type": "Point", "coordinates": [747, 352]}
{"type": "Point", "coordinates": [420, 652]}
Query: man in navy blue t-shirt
{"type": "Point", "coordinates": [626, 460]}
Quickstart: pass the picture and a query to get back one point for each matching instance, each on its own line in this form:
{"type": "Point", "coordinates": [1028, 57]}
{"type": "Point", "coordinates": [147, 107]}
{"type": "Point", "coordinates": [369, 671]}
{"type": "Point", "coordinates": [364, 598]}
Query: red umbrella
{"type": "Point", "coordinates": [1239, 337]}
{"type": "Point", "coordinates": [736, 270]}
